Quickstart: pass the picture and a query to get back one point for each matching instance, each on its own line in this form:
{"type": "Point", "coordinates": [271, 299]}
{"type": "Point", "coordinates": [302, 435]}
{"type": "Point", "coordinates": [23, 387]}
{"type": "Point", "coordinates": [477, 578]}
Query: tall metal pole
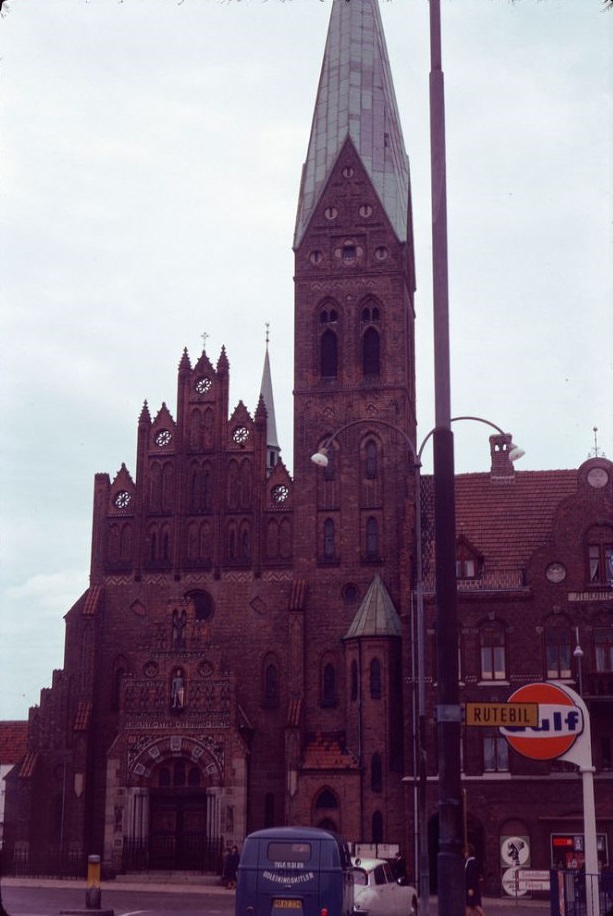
{"type": "Point", "coordinates": [450, 868]}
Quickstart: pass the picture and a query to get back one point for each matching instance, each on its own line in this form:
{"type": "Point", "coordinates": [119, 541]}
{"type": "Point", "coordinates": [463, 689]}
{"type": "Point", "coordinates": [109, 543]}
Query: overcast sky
{"type": "Point", "coordinates": [150, 155]}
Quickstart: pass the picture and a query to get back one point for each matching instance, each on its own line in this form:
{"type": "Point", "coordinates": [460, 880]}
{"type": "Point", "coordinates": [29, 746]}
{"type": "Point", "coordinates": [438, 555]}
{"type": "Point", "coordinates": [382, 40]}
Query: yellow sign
{"type": "Point", "coordinates": [493, 715]}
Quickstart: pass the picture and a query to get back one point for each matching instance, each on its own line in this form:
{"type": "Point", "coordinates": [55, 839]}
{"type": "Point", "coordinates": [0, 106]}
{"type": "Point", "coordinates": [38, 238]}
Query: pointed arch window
{"type": "Point", "coordinates": [370, 352]}
{"type": "Point", "coordinates": [354, 681]}
{"type": "Point", "coordinates": [370, 464]}
{"type": "Point", "coordinates": [375, 679]}
{"type": "Point", "coordinates": [328, 685]}
{"type": "Point", "coordinates": [120, 669]}
{"type": "Point", "coordinates": [376, 773]}
{"type": "Point", "coordinates": [377, 832]}
{"type": "Point", "coordinates": [271, 684]}
{"type": "Point", "coordinates": [245, 543]}
{"type": "Point", "coordinates": [372, 538]}
{"type": "Point", "coordinates": [329, 540]}
{"type": "Point", "coordinates": [329, 354]}
{"type": "Point", "coordinates": [327, 799]}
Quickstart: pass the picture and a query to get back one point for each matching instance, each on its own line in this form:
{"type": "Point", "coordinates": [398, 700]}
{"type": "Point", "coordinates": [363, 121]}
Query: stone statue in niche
{"type": "Point", "coordinates": [179, 623]}
{"type": "Point", "coordinates": [177, 690]}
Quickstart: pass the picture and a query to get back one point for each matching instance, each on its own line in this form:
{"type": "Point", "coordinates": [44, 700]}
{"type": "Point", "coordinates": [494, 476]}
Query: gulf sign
{"type": "Point", "coordinates": [560, 722]}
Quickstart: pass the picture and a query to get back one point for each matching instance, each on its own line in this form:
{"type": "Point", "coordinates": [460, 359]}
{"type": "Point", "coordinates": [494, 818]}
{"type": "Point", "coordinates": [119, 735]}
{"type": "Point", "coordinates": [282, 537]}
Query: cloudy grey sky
{"type": "Point", "coordinates": [150, 165]}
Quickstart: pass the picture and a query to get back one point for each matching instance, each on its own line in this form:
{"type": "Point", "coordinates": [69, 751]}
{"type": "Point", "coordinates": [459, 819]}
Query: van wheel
{"type": "Point", "coordinates": [413, 910]}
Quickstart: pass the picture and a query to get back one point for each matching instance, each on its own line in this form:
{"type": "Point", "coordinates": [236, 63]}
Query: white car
{"type": "Point", "coordinates": [377, 893]}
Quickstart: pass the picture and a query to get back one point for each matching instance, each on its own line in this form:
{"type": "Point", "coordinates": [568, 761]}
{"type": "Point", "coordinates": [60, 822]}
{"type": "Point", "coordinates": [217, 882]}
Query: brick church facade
{"type": "Point", "coordinates": [245, 653]}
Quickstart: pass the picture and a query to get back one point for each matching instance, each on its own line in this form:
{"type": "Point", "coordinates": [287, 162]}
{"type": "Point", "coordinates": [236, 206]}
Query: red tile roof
{"type": "Point", "coordinates": [504, 519]}
{"type": "Point", "coordinates": [328, 752]}
{"type": "Point", "coordinates": [82, 717]}
{"type": "Point", "coordinates": [26, 770]}
{"type": "Point", "coordinates": [13, 741]}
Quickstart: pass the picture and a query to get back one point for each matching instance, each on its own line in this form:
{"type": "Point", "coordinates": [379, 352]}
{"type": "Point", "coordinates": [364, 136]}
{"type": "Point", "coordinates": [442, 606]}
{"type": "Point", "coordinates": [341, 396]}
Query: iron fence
{"type": "Point", "coordinates": [570, 891]}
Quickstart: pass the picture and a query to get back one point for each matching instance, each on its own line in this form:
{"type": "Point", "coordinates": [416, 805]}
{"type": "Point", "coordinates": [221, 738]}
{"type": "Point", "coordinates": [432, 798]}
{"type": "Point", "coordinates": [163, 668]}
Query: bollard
{"type": "Point", "coordinates": [93, 893]}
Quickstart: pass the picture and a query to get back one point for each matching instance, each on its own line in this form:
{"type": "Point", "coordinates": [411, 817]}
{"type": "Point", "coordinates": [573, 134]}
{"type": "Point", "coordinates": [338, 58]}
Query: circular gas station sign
{"type": "Point", "coordinates": [560, 722]}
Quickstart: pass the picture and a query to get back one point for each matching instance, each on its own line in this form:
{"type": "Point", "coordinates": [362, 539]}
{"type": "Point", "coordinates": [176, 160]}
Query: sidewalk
{"type": "Point", "coordinates": [211, 884]}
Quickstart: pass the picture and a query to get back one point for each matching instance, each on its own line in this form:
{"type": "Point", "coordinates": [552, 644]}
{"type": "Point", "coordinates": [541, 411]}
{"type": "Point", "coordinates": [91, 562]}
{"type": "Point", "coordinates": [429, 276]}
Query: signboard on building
{"type": "Point", "coordinates": [560, 722]}
{"type": "Point", "coordinates": [494, 715]}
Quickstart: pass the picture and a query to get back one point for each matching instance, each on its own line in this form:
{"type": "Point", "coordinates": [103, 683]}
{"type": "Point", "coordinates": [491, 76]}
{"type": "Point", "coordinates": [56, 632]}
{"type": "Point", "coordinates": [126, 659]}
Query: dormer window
{"type": "Point", "coordinates": [469, 562]}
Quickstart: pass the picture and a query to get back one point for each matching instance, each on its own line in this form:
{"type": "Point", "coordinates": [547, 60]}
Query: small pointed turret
{"type": "Point", "coordinates": [356, 99]}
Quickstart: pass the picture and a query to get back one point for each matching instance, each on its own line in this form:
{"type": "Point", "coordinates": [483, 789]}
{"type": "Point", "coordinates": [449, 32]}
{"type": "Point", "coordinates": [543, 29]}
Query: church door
{"type": "Point", "coordinates": [177, 829]}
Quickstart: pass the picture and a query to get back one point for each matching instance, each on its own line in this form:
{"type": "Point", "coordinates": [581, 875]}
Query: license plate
{"type": "Point", "coordinates": [286, 904]}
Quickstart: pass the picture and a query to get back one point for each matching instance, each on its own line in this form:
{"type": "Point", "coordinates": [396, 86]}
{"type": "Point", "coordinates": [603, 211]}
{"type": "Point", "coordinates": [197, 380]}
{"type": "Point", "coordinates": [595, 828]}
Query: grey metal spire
{"type": "Point", "coordinates": [376, 615]}
{"type": "Point", "coordinates": [272, 443]}
{"type": "Point", "coordinates": [356, 99]}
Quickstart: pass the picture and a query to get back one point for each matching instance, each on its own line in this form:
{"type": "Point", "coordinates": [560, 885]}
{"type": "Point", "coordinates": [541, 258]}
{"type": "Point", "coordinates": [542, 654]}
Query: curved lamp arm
{"type": "Point", "coordinates": [321, 455]}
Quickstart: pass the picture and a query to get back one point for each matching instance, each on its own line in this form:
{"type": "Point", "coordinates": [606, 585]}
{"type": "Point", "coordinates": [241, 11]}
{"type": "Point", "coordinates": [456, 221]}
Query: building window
{"type": "Point", "coordinates": [375, 679]}
{"type": "Point", "coordinates": [328, 685]}
{"type": "Point", "coordinates": [600, 555]}
{"type": "Point", "coordinates": [493, 665]}
{"type": "Point", "coordinates": [329, 546]}
{"type": "Point", "coordinates": [377, 837]}
{"type": "Point", "coordinates": [376, 773]}
{"type": "Point", "coordinates": [495, 752]}
{"type": "Point", "coordinates": [557, 652]}
{"type": "Point", "coordinates": [370, 352]}
{"type": "Point", "coordinates": [468, 561]}
{"type": "Point", "coordinates": [329, 354]}
{"type": "Point", "coordinates": [271, 685]}
{"type": "Point", "coordinates": [603, 649]}
{"type": "Point", "coordinates": [370, 468]}
{"type": "Point", "coordinates": [372, 538]}
{"type": "Point", "coordinates": [201, 603]}
{"type": "Point", "coordinates": [354, 681]}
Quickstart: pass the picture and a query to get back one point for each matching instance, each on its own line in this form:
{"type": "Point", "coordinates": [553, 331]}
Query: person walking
{"type": "Point", "coordinates": [473, 884]}
{"type": "Point", "coordinates": [230, 868]}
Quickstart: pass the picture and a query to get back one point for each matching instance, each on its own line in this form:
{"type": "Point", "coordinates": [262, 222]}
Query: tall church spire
{"type": "Point", "coordinates": [356, 99]}
{"type": "Point", "coordinates": [273, 448]}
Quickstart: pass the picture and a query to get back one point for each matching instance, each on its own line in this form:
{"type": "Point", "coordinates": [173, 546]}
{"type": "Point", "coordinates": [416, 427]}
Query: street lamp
{"type": "Point", "coordinates": [320, 458]}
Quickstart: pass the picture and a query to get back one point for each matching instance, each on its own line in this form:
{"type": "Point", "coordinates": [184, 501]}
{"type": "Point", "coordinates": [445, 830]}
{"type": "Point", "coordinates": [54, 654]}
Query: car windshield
{"type": "Point", "coordinates": [360, 877]}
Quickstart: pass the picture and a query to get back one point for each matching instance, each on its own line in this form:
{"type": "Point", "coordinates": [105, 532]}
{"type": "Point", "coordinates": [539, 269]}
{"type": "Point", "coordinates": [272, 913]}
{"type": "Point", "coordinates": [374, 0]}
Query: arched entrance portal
{"type": "Point", "coordinates": [178, 836]}
{"type": "Point", "coordinates": [175, 810]}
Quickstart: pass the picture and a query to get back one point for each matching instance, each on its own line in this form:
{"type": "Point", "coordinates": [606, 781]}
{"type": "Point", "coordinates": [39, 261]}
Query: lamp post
{"type": "Point", "coordinates": [320, 458]}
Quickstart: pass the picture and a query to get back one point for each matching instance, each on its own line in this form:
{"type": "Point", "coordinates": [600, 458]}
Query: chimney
{"type": "Point", "coordinates": [502, 467]}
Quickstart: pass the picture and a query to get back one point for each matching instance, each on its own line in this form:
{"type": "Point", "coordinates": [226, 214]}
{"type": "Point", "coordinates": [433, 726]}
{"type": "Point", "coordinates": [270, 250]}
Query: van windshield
{"type": "Point", "coordinates": [289, 854]}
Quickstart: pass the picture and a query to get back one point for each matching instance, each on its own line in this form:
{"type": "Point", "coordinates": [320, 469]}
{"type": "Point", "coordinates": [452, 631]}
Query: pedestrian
{"type": "Point", "coordinates": [473, 884]}
{"type": "Point", "coordinates": [399, 868]}
{"type": "Point", "coordinates": [230, 867]}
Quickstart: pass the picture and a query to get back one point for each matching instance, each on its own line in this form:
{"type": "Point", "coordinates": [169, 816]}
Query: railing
{"type": "Point", "coordinates": [50, 863]}
{"type": "Point", "coordinates": [570, 891]}
{"type": "Point", "coordinates": [195, 852]}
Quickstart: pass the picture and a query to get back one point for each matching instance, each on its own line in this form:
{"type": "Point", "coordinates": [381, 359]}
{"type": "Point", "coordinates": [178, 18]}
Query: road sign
{"type": "Point", "coordinates": [560, 722]}
{"type": "Point", "coordinates": [519, 881]}
{"type": "Point", "coordinates": [493, 715]}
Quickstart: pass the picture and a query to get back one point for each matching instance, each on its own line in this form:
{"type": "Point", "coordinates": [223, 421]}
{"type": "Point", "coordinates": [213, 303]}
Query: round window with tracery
{"type": "Point", "coordinates": [240, 435]}
{"type": "Point", "coordinates": [122, 499]}
{"type": "Point", "coordinates": [280, 493]}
